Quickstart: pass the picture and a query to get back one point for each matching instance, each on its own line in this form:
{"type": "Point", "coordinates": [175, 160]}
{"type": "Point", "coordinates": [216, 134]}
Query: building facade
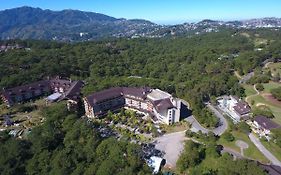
{"type": "Point", "coordinates": [68, 89]}
{"type": "Point", "coordinates": [160, 105]}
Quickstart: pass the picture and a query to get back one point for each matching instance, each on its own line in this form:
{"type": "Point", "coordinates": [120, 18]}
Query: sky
{"type": "Point", "coordinates": [163, 11]}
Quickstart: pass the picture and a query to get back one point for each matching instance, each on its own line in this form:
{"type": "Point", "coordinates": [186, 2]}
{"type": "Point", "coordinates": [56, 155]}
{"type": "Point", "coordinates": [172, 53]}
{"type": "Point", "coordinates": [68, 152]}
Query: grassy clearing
{"type": "Point", "coordinates": [275, 68]}
{"type": "Point", "coordinates": [177, 127]}
{"type": "Point", "coordinates": [249, 90]}
{"type": "Point", "coordinates": [273, 148]}
{"type": "Point", "coordinates": [25, 119]}
{"type": "Point", "coordinates": [258, 100]}
{"type": "Point", "coordinates": [260, 41]}
{"type": "Point", "coordinates": [270, 85]}
{"type": "Point", "coordinates": [251, 152]}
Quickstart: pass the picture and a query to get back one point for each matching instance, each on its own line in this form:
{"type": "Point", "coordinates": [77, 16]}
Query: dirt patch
{"type": "Point", "coordinates": [260, 104]}
{"type": "Point", "coordinates": [271, 99]}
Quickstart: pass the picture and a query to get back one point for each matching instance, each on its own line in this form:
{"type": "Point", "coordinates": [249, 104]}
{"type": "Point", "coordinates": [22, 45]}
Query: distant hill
{"type": "Point", "coordinates": [35, 23]}
{"type": "Point", "coordinates": [75, 25]}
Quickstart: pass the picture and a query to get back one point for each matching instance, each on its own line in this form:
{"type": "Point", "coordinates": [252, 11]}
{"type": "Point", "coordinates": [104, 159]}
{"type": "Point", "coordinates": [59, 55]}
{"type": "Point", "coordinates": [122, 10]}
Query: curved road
{"type": "Point", "coordinates": [218, 130]}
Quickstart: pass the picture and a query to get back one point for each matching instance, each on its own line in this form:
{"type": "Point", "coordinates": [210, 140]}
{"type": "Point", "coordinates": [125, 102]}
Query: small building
{"type": "Point", "coordinates": [236, 108]}
{"type": "Point", "coordinates": [263, 125]}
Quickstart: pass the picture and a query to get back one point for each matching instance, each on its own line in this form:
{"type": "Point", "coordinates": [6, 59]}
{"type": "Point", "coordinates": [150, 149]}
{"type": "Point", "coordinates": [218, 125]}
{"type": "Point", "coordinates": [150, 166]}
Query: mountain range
{"type": "Point", "coordinates": [74, 25]}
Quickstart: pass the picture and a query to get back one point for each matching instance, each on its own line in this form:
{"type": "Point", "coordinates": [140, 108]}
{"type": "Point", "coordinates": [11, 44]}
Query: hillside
{"type": "Point", "coordinates": [75, 25]}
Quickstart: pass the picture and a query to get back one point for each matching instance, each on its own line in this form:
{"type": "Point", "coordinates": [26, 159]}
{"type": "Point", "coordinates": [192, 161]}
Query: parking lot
{"type": "Point", "coordinates": [171, 145]}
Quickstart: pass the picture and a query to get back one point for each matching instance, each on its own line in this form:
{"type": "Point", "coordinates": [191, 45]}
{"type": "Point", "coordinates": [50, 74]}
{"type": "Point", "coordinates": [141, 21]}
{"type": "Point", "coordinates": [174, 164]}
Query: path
{"type": "Point", "coordinates": [264, 151]}
{"type": "Point", "coordinates": [242, 145]}
{"type": "Point", "coordinates": [268, 63]}
{"type": "Point", "coordinates": [222, 123]}
{"type": "Point", "coordinates": [257, 93]}
{"type": "Point", "coordinates": [247, 77]}
{"type": "Point", "coordinates": [196, 126]}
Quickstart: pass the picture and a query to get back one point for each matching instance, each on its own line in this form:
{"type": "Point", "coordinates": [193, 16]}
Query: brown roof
{"type": "Point", "coordinates": [163, 104]}
{"type": "Point", "coordinates": [266, 123]}
{"type": "Point", "coordinates": [16, 91]}
{"type": "Point", "coordinates": [116, 92]}
{"type": "Point", "coordinates": [104, 95]}
{"type": "Point", "coordinates": [74, 91]}
{"type": "Point", "coordinates": [73, 88]}
{"type": "Point", "coordinates": [242, 108]}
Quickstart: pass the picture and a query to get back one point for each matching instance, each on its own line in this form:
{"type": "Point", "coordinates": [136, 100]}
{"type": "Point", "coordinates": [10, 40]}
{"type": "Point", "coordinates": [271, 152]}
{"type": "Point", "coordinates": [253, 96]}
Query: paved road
{"type": "Point", "coordinates": [265, 152]}
{"type": "Point", "coordinates": [172, 145]}
{"type": "Point", "coordinates": [246, 77]}
{"type": "Point", "coordinates": [234, 153]}
{"type": "Point", "coordinates": [223, 122]}
{"type": "Point", "coordinates": [195, 125]}
{"type": "Point", "coordinates": [218, 130]}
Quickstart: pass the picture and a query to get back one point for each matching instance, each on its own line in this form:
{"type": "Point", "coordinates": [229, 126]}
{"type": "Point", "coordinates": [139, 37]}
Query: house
{"type": "Point", "coordinates": [263, 125]}
{"type": "Point", "coordinates": [159, 104]}
{"type": "Point", "coordinates": [236, 108]}
{"type": "Point", "coordinates": [59, 89]}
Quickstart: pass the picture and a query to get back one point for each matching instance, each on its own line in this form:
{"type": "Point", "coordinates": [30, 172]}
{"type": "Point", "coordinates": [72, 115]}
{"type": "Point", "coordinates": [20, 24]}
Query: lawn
{"type": "Point", "coordinates": [249, 90]}
{"type": "Point", "coordinates": [270, 85]}
{"type": "Point", "coordinates": [251, 152]}
{"type": "Point", "coordinates": [273, 148]}
{"type": "Point", "coordinates": [260, 100]}
{"type": "Point", "coordinates": [25, 119]}
{"type": "Point", "coordinates": [275, 68]}
{"type": "Point", "coordinates": [177, 127]}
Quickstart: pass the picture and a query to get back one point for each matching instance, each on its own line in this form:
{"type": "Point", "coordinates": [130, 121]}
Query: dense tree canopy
{"type": "Point", "coordinates": [194, 68]}
{"type": "Point", "coordinates": [65, 144]}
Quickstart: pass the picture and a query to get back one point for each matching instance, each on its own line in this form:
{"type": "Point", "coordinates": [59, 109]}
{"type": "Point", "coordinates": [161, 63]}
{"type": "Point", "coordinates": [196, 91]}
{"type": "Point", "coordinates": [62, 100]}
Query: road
{"type": "Point", "coordinates": [223, 122]}
{"type": "Point", "coordinates": [218, 130]}
{"type": "Point", "coordinates": [195, 125]}
{"type": "Point", "coordinates": [264, 151]}
{"type": "Point", "coordinates": [246, 77]}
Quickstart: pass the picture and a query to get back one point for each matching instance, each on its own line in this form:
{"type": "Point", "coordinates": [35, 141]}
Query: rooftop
{"type": "Point", "coordinates": [266, 123]}
{"type": "Point", "coordinates": [157, 94]}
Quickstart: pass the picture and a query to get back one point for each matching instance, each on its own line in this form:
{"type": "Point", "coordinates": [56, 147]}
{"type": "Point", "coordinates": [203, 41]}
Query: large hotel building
{"type": "Point", "coordinates": [160, 105]}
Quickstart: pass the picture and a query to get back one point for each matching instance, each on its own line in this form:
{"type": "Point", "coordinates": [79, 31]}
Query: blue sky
{"type": "Point", "coordinates": [163, 11]}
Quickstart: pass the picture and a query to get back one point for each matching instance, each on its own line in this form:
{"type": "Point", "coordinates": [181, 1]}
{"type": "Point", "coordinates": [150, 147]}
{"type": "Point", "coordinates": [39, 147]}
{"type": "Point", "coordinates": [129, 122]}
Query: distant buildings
{"type": "Point", "coordinates": [69, 90]}
{"type": "Point", "coordinates": [236, 108]}
{"type": "Point", "coordinates": [159, 104]}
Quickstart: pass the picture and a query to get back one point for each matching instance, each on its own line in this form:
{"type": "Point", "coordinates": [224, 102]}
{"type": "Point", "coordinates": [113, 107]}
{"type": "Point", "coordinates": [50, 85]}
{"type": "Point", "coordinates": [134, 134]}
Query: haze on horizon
{"type": "Point", "coordinates": [164, 11]}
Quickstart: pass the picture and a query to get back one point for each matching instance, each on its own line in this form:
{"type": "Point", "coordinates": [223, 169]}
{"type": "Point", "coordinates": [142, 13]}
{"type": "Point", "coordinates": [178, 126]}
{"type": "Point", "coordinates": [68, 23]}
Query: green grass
{"type": "Point", "coordinates": [270, 85]}
{"type": "Point", "coordinates": [274, 109]}
{"type": "Point", "coordinates": [249, 90]}
{"type": "Point", "coordinates": [275, 68]}
{"type": "Point", "coordinates": [251, 152]}
{"type": "Point", "coordinates": [259, 99]}
{"type": "Point", "coordinates": [273, 148]}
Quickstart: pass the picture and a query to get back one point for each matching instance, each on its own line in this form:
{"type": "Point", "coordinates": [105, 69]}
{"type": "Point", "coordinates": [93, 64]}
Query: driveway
{"type": "Point", "coordinates": [264, 151]}
{"type": "Point", "coordinates": [218, 130]}
{"type": "Point", "coordinates": [172, 145]}
{"type": "Point", "coordinates": [223, 123]}
{"type": "Point", "coordinates": [195, 125]}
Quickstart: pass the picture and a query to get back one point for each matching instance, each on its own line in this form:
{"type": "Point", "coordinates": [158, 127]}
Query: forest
{"type": "Point", "coordinates": [194, 68]}
{"type": "Point", "coordinates": [68, 144]}
{"type": "Point", "coordinates": [197, 69]}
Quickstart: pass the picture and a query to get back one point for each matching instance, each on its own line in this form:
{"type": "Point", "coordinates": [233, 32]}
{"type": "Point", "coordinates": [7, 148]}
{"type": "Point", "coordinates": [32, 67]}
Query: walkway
{"type": "Point", "coordinates": [257, 93]}
{"type": "Point", "coordinates": [264, 151]}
